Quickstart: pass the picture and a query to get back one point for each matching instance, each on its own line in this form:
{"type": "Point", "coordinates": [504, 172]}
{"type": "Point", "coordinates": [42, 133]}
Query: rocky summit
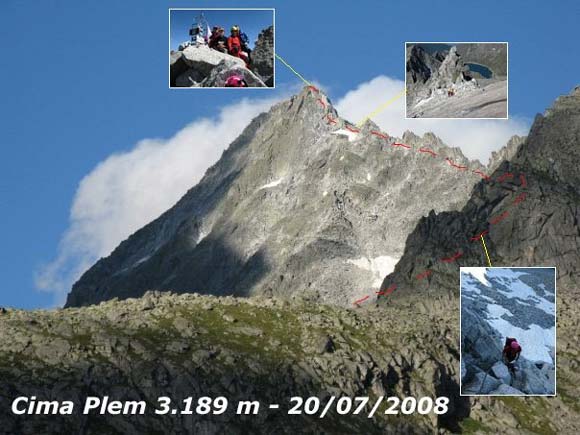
{"type": "Point", "coordinates": [197, 65]}
{"type": "Point", "coordinates": [263, 349]}
{"type": "Point", "coordinates": [302, 202]}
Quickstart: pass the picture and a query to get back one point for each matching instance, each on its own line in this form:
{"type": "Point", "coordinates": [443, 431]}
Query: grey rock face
{"type": "Point", "coordinates": [203, 59]}
{"type": "Point", "coordinates": [177, 66]}
{"type": "Point", "coordinates": [507, 152]}
{"type": "Point", "coordinates": [506, 390]}
{"type": "Point", "coordinates": [263, 56]}
{"type": "Point", "coordinates": [293, 206]}
{"type": "Point", "coordinates": [480, 383]}
{"type": "Point", "coordinates": [500, 371]}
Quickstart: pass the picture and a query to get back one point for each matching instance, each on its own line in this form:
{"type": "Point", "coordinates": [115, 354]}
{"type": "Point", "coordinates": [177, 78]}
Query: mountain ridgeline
{"type": "Point", "coordinates": [301, 202]}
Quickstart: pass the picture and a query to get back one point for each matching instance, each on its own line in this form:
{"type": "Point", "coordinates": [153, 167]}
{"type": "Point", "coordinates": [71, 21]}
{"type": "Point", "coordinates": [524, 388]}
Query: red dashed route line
{"type": "Point", "coordinates": [493, 221]}
{"type": "Point", "coordinates": [427, 150]}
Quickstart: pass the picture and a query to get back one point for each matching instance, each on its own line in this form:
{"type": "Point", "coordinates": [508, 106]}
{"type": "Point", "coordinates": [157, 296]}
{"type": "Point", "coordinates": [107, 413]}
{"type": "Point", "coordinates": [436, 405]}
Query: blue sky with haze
{"type": "Point", "coordinates": [80, 81]}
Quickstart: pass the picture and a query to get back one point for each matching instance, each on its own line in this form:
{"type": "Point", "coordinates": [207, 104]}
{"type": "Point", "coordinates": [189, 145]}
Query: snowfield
{"type": "Point", "coordinates": [514, 308]}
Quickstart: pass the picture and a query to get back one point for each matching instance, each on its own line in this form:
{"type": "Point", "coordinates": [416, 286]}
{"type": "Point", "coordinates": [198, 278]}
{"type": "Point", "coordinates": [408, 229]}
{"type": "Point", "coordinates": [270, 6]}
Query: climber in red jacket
{"type": "Point", "coordinates": [511, 353]}
{"type": "Point", "coordinates": [235, 45]}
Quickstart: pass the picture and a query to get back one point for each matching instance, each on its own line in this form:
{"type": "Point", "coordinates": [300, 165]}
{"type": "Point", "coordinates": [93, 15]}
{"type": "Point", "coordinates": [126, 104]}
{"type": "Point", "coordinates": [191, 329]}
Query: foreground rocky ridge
{"type": "Point", "coordinates": [267, 350]}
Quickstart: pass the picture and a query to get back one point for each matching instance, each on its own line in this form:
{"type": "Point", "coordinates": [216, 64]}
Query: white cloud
{"type": "Point", "coordinates": [129, 189]}
{"type": "Point", "coordinates": [476, 138]}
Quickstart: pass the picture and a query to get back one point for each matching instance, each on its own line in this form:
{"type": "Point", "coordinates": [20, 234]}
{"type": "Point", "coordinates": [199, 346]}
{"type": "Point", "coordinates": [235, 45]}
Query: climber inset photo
{"type": "Point", "coordinates": [459, 80]}
{"type": "Point", "coordinates": [221, 48]}
{"type": "Point", "coordinates": [508, 331]}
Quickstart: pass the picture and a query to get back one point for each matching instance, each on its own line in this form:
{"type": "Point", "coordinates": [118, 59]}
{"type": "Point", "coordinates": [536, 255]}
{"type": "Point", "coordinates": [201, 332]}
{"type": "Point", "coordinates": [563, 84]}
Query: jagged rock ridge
{"type": "Point", "coordinates": [532, 216]}
{"type": "Point", "coordinates": [301, 202]}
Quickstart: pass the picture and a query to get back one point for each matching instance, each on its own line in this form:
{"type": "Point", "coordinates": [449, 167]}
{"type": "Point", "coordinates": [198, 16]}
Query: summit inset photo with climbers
{"type": "Point", "coordinates": [456, 80]}
{"type": "Point", "coordinates": [508, 331]}
{"type": "Point", "coordinates": [221, 48]}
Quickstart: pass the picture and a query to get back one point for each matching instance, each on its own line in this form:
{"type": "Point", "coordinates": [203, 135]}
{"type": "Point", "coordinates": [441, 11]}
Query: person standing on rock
{"type": "Point", "coordinates": [218, 41]}
{"type": "Point", "coordinates": [246, 45]}
{"type": "Point", "coordinates": [235, 45]}
{"type": "Point", "coordinates": [511, 353]}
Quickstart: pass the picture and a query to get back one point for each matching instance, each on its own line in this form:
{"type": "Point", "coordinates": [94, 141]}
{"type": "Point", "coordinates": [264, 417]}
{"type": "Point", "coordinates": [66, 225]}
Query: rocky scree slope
{"type": "Point", "coordinates": [530, 209]}
{"type": "Point", "coordinates": [263, 349]}
{"type": "Point", "coordinates": [200, 66]}
{"type": "Point", "coordinates": [300, 202]}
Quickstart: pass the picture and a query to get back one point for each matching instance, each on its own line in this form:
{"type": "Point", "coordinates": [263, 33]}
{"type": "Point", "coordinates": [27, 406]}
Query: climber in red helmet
{"type": "Point", "coordinates": [235, 45]}
{"type": "Point", "coordinates": [236, 82]}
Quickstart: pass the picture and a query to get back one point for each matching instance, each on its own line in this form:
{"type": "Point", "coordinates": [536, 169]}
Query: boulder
{"type": "Point", "coordinates": [189, 79]}
{"type": "Point", "coordinates": [506, 390]}
{"type": "Point", "coordinates": [226, 68]}
{"type": "Point", "coordinates": [481, 383]}
{"type": "Point", "coordinates": [177, 66]}
{"type": "Point", "coordinates": [203, 59]}
{"type": "Point", "coordinates": [500, 371]}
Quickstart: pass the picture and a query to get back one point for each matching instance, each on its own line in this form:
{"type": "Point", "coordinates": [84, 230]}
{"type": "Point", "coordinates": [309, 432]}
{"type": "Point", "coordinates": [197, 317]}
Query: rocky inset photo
{"type": "Point", "coordinates": [221, 48]}
{"type": "Point", "coordinates": [456, 80]}
{"type": "Point", "coordinates": [508, 331]}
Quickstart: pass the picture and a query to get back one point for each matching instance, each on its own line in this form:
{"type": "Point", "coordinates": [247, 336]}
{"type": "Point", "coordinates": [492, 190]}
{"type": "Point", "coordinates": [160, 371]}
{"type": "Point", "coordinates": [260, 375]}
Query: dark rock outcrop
{"type": "Point", "coordinates": [530, 208]}
{"type": "Point", "coordinates": [263, 56]}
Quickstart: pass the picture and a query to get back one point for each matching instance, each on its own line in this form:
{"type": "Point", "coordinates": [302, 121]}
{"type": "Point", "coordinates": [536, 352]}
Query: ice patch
{"type": "Point", "coordinates": [379, 266]}
{"type": "Point", "coordinates": [478, 273]}
{"type": "Point", "coordinates": [341, 158]}
{"type": "Point", "coordinates": [517, 289]}
{"type": "Point", "coordinates": [324, 193]}
{"type": "Point", "coordinates": [369, 177]}
{"type": "Point", "coordinates": [350, 134]}
{"type": "Point", "coordinates": [536, 341]}
{"type": "Point", "coordinates": [272, 184]}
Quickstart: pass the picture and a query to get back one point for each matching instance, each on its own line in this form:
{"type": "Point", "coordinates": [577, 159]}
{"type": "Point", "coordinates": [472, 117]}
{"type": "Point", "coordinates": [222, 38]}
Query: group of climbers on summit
{"type": "Point", "coordinates": [237, 44]}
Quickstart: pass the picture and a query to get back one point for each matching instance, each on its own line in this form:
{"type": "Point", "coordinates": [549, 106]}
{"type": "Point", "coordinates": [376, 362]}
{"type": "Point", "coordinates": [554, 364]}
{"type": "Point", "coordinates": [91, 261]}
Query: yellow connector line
{"type": "Point", "coordinates": [485, 249]}
{"type": "Point", "coordinates": [381, 108]}
{"type": "Point", "coordinates": [292, 69]}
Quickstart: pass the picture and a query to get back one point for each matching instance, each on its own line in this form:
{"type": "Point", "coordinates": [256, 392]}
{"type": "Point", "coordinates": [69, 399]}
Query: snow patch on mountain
{"type": "Point", "coordinates": [272, 184]}
{"type": "Point", "coordinates": [350, 134]}
{"type": "Point", "coordinates": [379, 266]}
{"type": "Point", "coordinates": [477, 272]}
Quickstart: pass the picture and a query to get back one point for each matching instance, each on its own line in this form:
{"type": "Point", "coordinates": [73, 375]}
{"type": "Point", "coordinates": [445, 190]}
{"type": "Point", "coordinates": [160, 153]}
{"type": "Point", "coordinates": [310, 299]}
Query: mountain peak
{"type": "Point", "coordinates": [303, 201]}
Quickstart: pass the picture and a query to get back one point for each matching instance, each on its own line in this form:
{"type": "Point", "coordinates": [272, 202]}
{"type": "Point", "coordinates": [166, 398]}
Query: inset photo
{"type": "Point", "coordinates": [465, 80]}
{"type": "Point", "coordinates": [508, 331]}
{"type": "Point", "coordinates": [221, 48]}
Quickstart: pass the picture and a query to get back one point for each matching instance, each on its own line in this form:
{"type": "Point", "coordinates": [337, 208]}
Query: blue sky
{"type": "Point", "coordinates": [252, 22]}
{"type": "Point", "coordinates": [81, 81]}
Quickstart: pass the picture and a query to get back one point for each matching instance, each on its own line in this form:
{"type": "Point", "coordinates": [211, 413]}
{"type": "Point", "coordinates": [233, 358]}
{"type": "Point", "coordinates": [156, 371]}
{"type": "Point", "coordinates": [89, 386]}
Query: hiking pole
{"type": "Point", "coordinates": [484, 378]}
